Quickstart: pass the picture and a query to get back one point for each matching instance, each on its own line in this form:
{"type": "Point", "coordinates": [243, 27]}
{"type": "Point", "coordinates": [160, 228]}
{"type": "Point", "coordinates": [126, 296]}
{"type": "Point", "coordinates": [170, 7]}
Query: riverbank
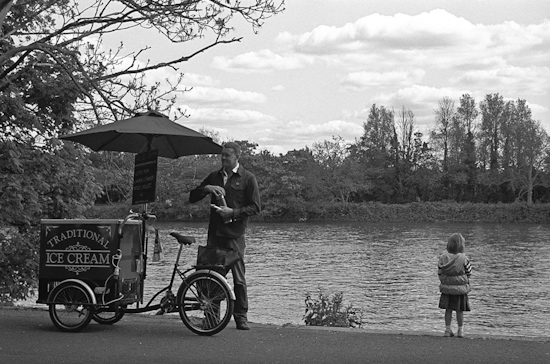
{"type": "Point", "coordinates": [28, 336]}
{"type": "Point", "coordinates": [35, 310]}
{"type": "Point", "coordinates": [518, 213]}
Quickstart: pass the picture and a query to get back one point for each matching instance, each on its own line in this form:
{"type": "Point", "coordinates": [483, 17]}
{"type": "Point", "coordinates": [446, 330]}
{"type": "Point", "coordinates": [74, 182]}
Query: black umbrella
{"type": "Point", "coordinates": [143, 132]}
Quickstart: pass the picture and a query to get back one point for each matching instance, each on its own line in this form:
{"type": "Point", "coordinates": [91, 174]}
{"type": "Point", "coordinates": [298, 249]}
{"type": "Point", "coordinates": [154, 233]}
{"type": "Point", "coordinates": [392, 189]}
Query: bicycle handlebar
{"type": "Point", "coordinates": [135, 216]}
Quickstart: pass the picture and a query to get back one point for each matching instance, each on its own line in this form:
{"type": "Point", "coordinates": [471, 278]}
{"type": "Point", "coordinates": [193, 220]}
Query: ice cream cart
{"type": "Point", "coordinates": [95, 270]}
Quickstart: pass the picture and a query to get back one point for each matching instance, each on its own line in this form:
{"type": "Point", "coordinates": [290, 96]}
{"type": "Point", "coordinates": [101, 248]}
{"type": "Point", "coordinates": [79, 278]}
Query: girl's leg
{"type": "Point", "coordinates": [448, 317]}
{"type": "Point", "coordinates": [460, 320]}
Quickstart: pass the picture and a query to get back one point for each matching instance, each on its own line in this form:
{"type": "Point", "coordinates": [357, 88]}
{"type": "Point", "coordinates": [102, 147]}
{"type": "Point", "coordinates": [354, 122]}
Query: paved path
{"type": "Point", "coordinates": [27, 336]}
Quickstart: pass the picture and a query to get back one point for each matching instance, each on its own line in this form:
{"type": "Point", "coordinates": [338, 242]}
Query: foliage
{"type": "Point", "coordinates": [329, 310]}
{"type": "Point", "coordinates": [67, 38]}
{"type": "Point", "coordinates": [18, 264]}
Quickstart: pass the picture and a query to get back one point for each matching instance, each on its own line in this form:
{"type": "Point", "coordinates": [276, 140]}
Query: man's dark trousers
{"type": "Point", "coordinates": [238, 271]}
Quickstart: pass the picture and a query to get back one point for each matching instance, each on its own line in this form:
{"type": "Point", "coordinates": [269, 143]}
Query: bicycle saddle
{"type": "Point", "coordinates": [183, 239]}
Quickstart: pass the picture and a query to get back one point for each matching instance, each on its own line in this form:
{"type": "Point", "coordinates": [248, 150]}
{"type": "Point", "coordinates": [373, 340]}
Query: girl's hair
{"type": "Point", "coordinates": [455, 243]}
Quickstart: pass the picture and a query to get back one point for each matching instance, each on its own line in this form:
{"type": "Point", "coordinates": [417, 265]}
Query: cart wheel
{"type": "Point", "coordinates": [72, 309]}
{"type": "Point", "coordinates": [205, 305]}
{"type": "Point", "coordinates": [108, 317]}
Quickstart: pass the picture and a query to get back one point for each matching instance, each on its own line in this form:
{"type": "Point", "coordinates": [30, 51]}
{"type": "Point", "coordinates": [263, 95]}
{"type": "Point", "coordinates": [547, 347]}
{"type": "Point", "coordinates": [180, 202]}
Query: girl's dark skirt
{"type": "Point", "coordinates": [454, 302]}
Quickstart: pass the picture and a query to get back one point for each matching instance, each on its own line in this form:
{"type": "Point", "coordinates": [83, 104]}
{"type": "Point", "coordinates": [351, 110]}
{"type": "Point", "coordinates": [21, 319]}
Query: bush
{"type": "Point", "coordinates": [329, 310]}
{"type": "Point", "coordinates": [18, 264]}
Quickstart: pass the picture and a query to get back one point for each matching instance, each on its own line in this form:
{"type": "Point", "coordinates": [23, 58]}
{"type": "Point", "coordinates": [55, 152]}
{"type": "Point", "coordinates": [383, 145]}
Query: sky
{"type": "Point", "coordinates": [313, 71]}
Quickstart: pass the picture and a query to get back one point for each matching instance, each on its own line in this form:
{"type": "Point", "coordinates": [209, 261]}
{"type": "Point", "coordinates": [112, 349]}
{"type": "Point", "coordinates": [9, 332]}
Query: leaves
{"type": "Point", "coordinates": [329, 310]}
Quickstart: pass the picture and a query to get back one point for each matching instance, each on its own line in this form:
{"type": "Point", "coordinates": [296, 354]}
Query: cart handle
{"type": "Point", "coordinates": [132, 215]}
{"type": "Point", "coordinates": [135, 215]}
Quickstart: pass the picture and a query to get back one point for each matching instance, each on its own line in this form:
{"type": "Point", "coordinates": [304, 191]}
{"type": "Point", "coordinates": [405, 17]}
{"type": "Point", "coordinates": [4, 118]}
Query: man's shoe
{"type": "Point", "coordinates": [242, 325]}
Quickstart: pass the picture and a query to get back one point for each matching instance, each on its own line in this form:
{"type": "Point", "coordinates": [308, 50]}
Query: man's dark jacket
{"type": "Point", "coordinates": [241, 194]}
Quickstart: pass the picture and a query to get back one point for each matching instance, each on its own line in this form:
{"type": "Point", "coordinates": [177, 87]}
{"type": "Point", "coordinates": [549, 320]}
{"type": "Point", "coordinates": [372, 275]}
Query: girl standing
{"type": "Point", "coordinates": [454, 271]}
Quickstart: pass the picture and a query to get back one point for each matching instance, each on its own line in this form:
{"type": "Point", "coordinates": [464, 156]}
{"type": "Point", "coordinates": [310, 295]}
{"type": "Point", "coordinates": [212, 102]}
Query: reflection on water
{"type": "Point", "coordinates": [389, 270]}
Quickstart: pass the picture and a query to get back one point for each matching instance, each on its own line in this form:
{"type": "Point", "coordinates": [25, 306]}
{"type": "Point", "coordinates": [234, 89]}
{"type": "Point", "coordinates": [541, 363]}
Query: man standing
{"type": "Point", "coordinates": [226, 229]}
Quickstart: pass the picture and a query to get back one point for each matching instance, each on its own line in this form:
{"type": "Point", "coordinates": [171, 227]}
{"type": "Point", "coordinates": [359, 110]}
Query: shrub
{"type": "Point", "coordinates": [329, 310]}
{"type": "Point", "coordinates": [18, 264]}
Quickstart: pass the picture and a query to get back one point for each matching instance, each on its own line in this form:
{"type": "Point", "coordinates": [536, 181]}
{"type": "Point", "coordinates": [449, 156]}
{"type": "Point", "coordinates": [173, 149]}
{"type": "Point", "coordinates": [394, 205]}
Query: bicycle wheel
{"type": "Point", "coordinates": [108, 317]}
{"type": "Point", "coordinates": [205, 305]}
{"type": "Point", "coordinates": [71, 310]}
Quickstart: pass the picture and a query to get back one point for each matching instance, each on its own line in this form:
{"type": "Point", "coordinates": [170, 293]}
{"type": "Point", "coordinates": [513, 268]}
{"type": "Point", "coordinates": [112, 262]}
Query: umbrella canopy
{"type": "Point", "coordinates": [143, 132]}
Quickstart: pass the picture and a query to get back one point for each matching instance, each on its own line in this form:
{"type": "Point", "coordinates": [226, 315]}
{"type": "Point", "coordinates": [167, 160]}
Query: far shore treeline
{"type": "Point", "coordinates": [419, 212]}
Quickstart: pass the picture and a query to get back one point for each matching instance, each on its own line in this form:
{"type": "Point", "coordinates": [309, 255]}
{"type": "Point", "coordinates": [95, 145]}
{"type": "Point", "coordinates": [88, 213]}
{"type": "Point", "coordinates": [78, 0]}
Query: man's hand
{"type": "Point", "coordinates": [216, 190]}
{"type": "Point", "coordinates": [225, 212]}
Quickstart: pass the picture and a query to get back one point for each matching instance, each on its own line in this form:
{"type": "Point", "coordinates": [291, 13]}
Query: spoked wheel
{"type": "Point", "coordinates": [71, 310]}
{"type": "Point", "coordinates": [205, 304]}
{"type": "Point", "coordinates": [108, 317]}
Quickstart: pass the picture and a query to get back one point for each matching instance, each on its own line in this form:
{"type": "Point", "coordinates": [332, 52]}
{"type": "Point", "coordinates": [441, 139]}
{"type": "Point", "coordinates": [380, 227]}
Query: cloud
{"type": "Point", "coordinates": [358, 81]}
{"type": "Point", "coordinates": [221, 96]}
{"type": "Point", "coordinates": [430, 39]}
{"type": "Point", "coordinates": [282, 136]}
{"type": "Point", "coordinates": [322, 131]}
{"type": "Point", "coordinates": [508, 80]}
{"type": "Point", "coordinates": [273, 134]}
{"type": "Point", "coordinates": [264, 60]}
{"type": "Point", "coordinates": [435, 29]}
{"type": "Point", "coordinates": [193, 79]}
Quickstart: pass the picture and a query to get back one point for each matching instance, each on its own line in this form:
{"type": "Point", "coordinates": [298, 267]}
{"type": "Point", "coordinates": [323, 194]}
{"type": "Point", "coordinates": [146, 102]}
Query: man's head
{"type": "Point", "coordinates": [230, 155]}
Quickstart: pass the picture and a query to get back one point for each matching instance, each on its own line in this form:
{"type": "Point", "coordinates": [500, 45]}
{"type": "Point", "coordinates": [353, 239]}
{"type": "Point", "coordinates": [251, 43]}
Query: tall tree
{"type": "Point", "coordinates": [493, 117]}
{"type": "Point", "coordinates": [444, 116]}
{"type": "Point", "coordinates": [529, 141]}
{"type": "Point", "coordinates": [468, 113]}
{"type": "Point", "coordinates": [403, 149]}
{"type": "Point", "coordinates": [378, 132]}
{"type": "Point", "coordinates": [373, 150]}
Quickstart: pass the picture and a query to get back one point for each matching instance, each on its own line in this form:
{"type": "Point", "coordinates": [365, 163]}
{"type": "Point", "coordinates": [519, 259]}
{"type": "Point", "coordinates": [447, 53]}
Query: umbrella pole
{"type": "Point", "coordinates": [144, 239]}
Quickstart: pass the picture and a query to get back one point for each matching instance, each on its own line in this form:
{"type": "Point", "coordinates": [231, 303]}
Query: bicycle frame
{"type": "Point", "coordinates": [168, 304]}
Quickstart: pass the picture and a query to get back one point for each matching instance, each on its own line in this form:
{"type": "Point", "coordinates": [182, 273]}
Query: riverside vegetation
{"type": "Point", "coordinates": [330, 310]}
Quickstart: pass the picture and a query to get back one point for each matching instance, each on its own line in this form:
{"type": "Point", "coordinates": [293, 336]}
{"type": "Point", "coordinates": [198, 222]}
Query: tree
{"type": "Point", "coordinates": [376, 140]}
{"type": "Point", "coordinates": [66, 36]}
{"type": "Point", "coordinates": [467, 113]}
{"type": "Point", "coordinates": [444, 116]}
{"type": "Point", "coordinates": [492, 120]}
{"type": "Point", "coordinates": [529, 141]}
{"type": "Point", "coordinates": [340, 174]}
{"type": "Point", "coordinates": [374, 152]}
{"type": "Point", "coordinates": [404, 149]}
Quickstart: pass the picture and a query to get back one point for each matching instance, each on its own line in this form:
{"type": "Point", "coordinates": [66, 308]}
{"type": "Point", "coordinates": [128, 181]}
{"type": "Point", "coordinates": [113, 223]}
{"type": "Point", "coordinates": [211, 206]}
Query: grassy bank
{"type": "Point", "coordinates": [368, 212]}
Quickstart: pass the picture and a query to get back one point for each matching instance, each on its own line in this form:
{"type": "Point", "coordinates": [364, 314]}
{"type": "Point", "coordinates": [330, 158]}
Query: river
{"type": "Point", "coordinates": [389, 270]}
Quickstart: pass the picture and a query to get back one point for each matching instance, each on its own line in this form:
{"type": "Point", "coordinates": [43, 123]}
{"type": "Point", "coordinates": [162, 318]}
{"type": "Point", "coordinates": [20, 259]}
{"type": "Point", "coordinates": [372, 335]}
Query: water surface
{"type": "Point", "coordinates": [389, 270]}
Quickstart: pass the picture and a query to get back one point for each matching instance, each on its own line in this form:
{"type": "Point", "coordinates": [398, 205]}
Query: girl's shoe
{"type": "Point", "coordinates": [460, 333]}
{"type": "Point", "coordinates": [449, 333]}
